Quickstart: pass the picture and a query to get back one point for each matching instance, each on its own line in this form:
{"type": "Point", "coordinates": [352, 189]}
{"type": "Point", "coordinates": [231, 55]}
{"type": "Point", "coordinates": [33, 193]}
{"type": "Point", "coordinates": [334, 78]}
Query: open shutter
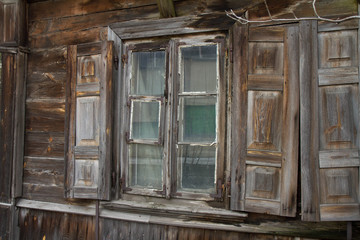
{"type": "Point", "coordinates": [332, 121]}
{"type": "Point", "coordinates": [265, 111]}
{"type": "Point", "coordinates": [89, 120]}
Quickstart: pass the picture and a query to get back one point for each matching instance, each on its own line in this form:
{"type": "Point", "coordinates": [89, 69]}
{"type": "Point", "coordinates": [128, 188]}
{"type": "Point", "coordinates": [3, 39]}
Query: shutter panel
{"type": "Point", "coordinates": [89, 120]}
{"type": "Point", "coordinates": [265, 109]}
{"type": "Point", "coordinates": [335, 194]}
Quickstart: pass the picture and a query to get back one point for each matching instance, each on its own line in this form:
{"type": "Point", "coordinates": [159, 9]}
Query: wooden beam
{"type": "Point", "coordinates": [166, 8]}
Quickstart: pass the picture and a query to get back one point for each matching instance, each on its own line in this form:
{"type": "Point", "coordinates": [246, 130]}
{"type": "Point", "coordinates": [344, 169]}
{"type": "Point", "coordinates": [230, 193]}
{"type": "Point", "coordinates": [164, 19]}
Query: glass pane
{"type": "Point", "coordinates": [145, 120]}
{"type": "Point", "coordinates": [145, 166]}
{"type": "Point", "coordinates": [196, 168]}
{"type": "Point", "coordinates": [197, 119]}
{"type": "Point", "coordinates": [199, 68]}
{"type": "Point", "coordinates": [148, 73]}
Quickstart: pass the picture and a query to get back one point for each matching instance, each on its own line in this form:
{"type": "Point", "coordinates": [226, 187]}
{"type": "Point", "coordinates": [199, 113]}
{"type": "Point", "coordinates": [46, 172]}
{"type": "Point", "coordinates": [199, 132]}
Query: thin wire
{"type": "Point", "coordinates": [243, 20]}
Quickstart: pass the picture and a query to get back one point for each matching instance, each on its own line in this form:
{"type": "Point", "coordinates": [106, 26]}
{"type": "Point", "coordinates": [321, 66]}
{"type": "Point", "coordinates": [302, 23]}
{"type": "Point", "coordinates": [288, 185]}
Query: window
{"type": "Point", "coordinates": [172, 121]}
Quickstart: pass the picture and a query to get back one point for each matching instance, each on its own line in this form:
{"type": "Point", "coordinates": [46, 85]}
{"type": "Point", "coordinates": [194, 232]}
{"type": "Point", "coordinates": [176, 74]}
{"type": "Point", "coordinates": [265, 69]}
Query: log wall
{"type": "Point", "coordinates": [52, 26]}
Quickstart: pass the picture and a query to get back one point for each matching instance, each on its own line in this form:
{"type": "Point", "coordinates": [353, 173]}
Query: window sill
{"type": "Point", "coordinates": [180, 209]}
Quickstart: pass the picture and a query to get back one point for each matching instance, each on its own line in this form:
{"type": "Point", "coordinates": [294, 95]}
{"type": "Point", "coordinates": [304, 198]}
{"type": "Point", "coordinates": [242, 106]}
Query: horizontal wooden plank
{"type": "Point", "coordinates": [340, 212]}
{"type": "Point", "coordinates": [347, 25]}
{"type": "Point", "coordinates": [266, 34]}
{"type": "Point", "coordinates": [262, 206]}
{"type": "Point", "coordinates": [99, 19]}
{"type": "Point", "coordinates": [68, 38]}
{"type": "Point", "coordinates": [265, 82]}
{"type": "Point", "coordinates": [44, 144]}
{"type": "Point", "coordinates": [333, 159]}
{"type": "Point", "coordinates": [55, 165]}
{"type": "Point", "coordinates": [180, 25]}
{"type": "Point", "coordinates": [45, 85]}
{"type": "Point", "coordinates": [60, 9]}
{"type": "Point", "coordinates": [47, 60]}
{"type": "Point", "coordinates": [45, 193]}
{"type": "Point", "coordinates": [45, 177]}
{"type": "Point", "coordinates": [338, 76]}
{"type": "Point", "coordinates": [45, 117]}
{"type": "Point", "coordinates": [46, 171]}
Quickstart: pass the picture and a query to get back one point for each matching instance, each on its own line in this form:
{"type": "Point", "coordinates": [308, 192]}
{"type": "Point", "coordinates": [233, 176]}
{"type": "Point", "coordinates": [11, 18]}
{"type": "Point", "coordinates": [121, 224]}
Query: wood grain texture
{"type": "Point", "coordinates": [308, 122]}
{"type": "Point", "coordinates": [68, 38]}
{"type": "Point", "coordinates": [52, 225]}
{"type": "Point", "coordinates": [44, 144]}
{"type": "Point", "coordinates": [88, 121]}
{"type": "Point", "coordinates": [46, 171]}
{"type": "Point", "coordinates": [7, 124]}
{"type": "Point", "coordinates": [45, 117]}
{"type": "Point", "coordinates": [5, 217]}
{"type": "Point", "coordinates": [271, 121]}
{"type": "Point", "coordinates": [239, 116]}
{"type": "Point", "coordinates": [19, 125]}
{"type": "Point", "coordinates": [291, 124]}
{"type": "Point", "coordinates": [46, 74]}
{"type": "Point", "coordinates": [166, 8]}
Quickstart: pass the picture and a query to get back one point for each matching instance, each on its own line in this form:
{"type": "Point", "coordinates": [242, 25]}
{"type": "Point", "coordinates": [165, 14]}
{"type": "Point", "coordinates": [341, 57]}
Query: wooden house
{"type": "Point", "coordinates": [169, 119]}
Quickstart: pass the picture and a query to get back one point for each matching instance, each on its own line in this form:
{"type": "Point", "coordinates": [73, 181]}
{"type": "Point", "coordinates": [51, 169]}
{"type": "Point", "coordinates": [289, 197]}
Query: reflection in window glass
{"type": "Point", "coordinates": [196, 149]}
{"type": "Point", "coordinates": [148, 73]}
{"type": "Point", "coordinates": [196, 168]}
{"type": "Point", "coordinates": [145, 166]}
{"type": "Point", "coordinates": [198, 119]}
{"type": "Point", "coordinates": [199, 68]}
{"type": "Point", "coordinates": [145, 120]}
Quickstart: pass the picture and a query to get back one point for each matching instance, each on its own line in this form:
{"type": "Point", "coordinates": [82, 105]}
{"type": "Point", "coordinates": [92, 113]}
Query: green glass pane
{"type": "Point", "coordinates": [145, 120]}
{"type": "Point", "coordinates": [198, 119]}
{"type": "Point", "coordinates": [145, 166]}
{"type": "Point", "coordinates": [196, 168]}
{"type": "Point", "coordinates": [199, 68]}
{"type": "Point", "coordinates": [148, 73]}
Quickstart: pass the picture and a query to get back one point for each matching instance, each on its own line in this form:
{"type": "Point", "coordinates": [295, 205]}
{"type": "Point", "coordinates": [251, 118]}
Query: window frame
{"type": "Point", "coordinates": [170, 126]}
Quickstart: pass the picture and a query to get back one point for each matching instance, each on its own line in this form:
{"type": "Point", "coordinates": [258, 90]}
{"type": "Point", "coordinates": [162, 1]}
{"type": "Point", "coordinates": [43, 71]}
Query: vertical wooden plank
{"type": "Point", "coordinates": [69, 118]}
{"type": "Point", "coordinates": [19, 128]}
{"type": "Point", "coordinates": [106, 118]}
{"type": "Point", "coordinates": [309, 125]}
{"type": "Point", "coordinates": [117, 116]}
{"type": "Point", "coordinates": [10, 22]}
{"type": "Point", "coordinates": [290, 123]}
{"type": "Point", "coordinates": [2, 22]}
{"type": "Point", "coordinates": [6, 128]}
{"type": "Point", "coordinates": [239, 116]}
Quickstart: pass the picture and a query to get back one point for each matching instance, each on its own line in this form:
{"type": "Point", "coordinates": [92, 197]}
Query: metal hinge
{"type": "Point", "coordinates": [219, 190]}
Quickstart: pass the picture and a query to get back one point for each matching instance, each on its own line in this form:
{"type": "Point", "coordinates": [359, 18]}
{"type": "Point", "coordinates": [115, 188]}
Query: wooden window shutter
{"type": "Point", "coordinates": [265, 124]}
{"type": "Point", "coordinates": [330, 121]}
{"type": "Point", "coordinates": [89, 121]}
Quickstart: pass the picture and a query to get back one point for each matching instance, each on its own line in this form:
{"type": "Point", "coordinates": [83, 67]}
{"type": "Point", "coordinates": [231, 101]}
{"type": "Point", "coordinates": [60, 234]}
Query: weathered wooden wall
{"type": "Point", "coordinates": [52, 225]}
{"type": "Point", "coordinates": [52, 26]}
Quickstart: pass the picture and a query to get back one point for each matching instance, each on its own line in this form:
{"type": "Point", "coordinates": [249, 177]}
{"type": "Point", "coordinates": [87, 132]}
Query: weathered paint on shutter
{"type": "Point", "coordinates": [334, 193]}
{"type": "Point", "coordinates": [89, 119]}
{"type": "Point", "coordinates": [265, 111]}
